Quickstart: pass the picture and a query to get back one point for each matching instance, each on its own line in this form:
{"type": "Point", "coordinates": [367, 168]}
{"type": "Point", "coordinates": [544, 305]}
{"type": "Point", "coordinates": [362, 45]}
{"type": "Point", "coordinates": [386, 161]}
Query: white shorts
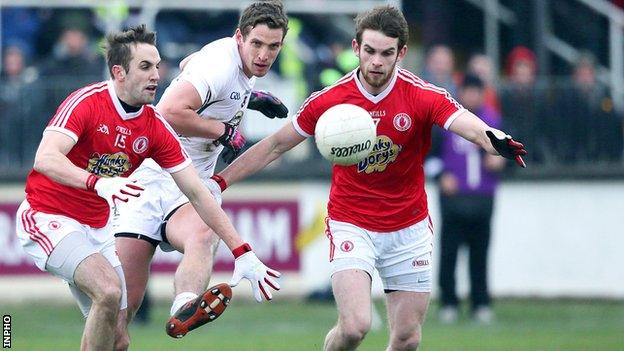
{"type": "Point", "coordinates": [146, 214]}
{"type": "Point", "coordinates": [402, 257]}
{"type": "Point", "coordinates": [58, 244]}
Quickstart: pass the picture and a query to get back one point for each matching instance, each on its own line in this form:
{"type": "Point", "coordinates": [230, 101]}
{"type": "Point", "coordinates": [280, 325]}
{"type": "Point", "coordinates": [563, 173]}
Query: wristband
{"type": "Point", "coordinates": [237, 252]}
{"type": "Point", "coordinates": [91, 180]}
{"type": "Point", "coordinates": [219, 179]}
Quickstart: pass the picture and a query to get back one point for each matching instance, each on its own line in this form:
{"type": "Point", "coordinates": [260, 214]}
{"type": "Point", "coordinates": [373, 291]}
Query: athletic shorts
{"type": "Point", "coordinates": [145, 214]}
{"type": "Point", "coordinates": [402, 257]}
{"type": "Point", "coordinates": [58, 244]}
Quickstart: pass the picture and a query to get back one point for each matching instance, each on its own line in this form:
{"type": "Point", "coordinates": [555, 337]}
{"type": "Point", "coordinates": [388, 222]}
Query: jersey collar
{"type": "Point", "coordinates": [120, 110]}
{"type": "Point", "coordinates": [376, 98]}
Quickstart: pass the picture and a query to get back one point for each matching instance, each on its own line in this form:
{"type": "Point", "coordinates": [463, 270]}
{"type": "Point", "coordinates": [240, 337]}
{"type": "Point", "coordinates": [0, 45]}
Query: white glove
{"type": "Point", "coordinates": [117, 189]}
{"type": "Point", "coordinates": [248, 266]}
{"type": "Point", "coordinates": [215, 190]}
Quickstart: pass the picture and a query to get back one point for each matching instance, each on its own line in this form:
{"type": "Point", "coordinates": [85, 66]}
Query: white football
{"type": "Point", "coordinates": [345, 134]}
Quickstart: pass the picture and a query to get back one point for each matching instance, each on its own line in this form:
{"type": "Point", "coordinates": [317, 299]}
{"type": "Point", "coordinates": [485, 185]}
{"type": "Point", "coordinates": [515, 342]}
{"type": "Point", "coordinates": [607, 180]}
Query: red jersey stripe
{"type": "Point", "coordinates": [63, 115]}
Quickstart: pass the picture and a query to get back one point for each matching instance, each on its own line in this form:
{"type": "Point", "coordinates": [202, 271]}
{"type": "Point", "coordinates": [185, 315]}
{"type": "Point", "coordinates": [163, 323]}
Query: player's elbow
{"type": "Point", "coordinates": [43, 162]}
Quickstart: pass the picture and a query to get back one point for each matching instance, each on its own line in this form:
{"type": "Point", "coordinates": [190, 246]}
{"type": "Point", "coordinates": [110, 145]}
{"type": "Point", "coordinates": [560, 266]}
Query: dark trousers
{"type": "Point", "coordinates": [465, 221]}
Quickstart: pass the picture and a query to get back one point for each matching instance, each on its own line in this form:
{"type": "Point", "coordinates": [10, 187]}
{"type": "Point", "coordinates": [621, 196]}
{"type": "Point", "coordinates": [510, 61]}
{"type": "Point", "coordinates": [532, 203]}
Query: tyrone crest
{"type": "Point", "coordinates": [140, 145]}
{"type": "Point", "coordinates": [402, 122]}
{"type": "Point", "coordinates": [346, 246]}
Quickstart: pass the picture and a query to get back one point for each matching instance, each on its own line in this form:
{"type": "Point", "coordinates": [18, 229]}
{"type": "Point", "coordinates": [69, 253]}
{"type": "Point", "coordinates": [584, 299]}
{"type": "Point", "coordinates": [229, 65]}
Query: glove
{"type": "Point", "coordinates": [215, 189]}
{"type": "Point", "coordinates": [508, 148]}
{"type": "Point", "coordinates": [233, 141]}
{"type": "Point", "coordinates": [268, 104]}
{"type": "Point", "coordinates": [114, 190]}
{"type": "Point", "coordinates": [248, 266]}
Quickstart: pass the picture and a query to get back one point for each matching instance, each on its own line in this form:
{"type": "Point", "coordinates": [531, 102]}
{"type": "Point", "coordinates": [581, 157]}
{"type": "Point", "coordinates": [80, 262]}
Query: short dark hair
{"type": "Point", "coordinates": [386, 19]}
{"type": "Point", "coordinates": [118, 45]}
{"type": "Point", "coordinates": [472, 81]}
{"type": "Point", "coordinates": [268, 12]}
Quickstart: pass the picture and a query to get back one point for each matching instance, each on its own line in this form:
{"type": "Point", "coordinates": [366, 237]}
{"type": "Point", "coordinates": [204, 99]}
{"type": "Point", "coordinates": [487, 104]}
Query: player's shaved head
{"type": "Point", "coordinates": [118, 45]}
{"type": "Point", "coordinates": [268, 12]}
{"type": "Point", "coordinates": [386, 19]}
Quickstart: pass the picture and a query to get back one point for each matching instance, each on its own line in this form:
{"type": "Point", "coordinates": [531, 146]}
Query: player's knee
{"type": "Point", "coordinates": [406, 341]}
{"type": "Point", "coordinates": [355, 329]}
{"type": "Point", "coordinates": [203, 241]}
{"type": "Point", "coordinates": [108, 296]}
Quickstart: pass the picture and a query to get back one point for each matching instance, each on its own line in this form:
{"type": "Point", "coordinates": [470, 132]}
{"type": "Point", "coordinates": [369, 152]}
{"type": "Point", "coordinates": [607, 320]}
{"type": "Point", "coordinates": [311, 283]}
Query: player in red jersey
{"type": "Point", "coordinates": [97, 137]}
{"type": "Point", "coordinates": [378, 217]}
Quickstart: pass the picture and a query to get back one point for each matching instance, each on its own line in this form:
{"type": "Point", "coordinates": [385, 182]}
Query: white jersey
{"type": "Point", "coordinates": [216, 71]}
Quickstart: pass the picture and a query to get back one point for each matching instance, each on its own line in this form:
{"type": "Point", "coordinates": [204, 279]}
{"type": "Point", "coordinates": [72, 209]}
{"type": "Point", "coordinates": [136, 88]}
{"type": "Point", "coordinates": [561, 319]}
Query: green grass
{"type": "Point", "coordinates": [523, 325]}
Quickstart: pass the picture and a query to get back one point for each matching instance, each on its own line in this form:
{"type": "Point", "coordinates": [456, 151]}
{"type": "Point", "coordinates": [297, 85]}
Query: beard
{"type": "Point", "coordinates": [379, 81]}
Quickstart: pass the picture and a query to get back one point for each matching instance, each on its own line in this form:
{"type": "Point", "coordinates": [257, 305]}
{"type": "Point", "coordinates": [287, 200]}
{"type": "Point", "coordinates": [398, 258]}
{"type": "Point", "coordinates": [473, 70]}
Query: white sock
{"type": "Point", "coordinates": [180, 300]}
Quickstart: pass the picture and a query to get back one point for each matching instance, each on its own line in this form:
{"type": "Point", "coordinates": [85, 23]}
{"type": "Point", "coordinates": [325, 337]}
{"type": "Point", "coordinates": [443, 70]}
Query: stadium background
{"type": "Point", "coordinates": [556, 254]}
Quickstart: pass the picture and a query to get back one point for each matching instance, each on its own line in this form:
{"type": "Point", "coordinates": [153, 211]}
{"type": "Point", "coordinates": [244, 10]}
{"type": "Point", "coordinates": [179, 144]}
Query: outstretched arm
{"type": "Point", "coordinates": [246, 264]}
{"type": "Point", "coordinates": [208, 209]}
{"type": "Point", "coordinates": [493, 141]}
{"type": "Point", "coordinates": [261, 154]}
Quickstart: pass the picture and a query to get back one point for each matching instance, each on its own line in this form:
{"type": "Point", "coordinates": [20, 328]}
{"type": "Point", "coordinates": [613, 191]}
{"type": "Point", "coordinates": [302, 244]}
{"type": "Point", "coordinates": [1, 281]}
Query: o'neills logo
{"type": "Point", "coordinates": [402, 122]}
{"type": "Point", "coordinates": [140, 145]}
{"type": "Point", "coordinates": [107, 165]}
{"type": "Point", "coordinates": [345, 151]}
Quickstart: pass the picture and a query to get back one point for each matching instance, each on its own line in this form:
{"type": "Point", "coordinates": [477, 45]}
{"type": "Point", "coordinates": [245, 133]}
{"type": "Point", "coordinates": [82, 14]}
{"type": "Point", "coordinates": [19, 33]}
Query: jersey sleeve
{"type": "Point", "coordinates": [307, 116]}
{"type": "Point", "coordinates": [73, 115]}
{"type": "Point", "coordinates": [208, 71]}
{"type": "Point", "coordinates": [443, 109]}
{"type": "Point", "coordinates": [168, 152]}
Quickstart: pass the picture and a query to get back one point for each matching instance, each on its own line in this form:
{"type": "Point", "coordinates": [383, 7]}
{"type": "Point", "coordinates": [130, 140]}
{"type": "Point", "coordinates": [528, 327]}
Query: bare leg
{"type": "Point", "coordinates": [406, 315]}
{"type": "Point", "coordinates": [97, 278]}
{"type": "Point", "coordinates": [352, 291]}
{"type": "Point", "coordinates": [135, 256]}
{"type": "Point", "coordinates": [188, 233]}
{"type": "Point", "coordinates": [122, 338]}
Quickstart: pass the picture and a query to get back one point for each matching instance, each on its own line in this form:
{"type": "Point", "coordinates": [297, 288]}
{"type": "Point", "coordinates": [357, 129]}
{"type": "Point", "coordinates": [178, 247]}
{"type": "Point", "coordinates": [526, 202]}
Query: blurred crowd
{"type": "Point", "coordinates": [568, 120]}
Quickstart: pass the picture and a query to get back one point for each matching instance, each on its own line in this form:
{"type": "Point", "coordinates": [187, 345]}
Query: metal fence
{"type": "Point", "coordinates": [568, 134]}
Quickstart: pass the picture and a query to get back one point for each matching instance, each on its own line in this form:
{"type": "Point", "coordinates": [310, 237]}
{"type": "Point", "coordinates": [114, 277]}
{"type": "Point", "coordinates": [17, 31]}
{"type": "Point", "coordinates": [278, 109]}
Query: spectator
{"type": "Point", "coordinates": [524, 103]}
{"type": "Point", "coordinates": [16, 106]}
{"type": "Point", "coordinates": [589, 128]}
{"type": "Point", "coordinates": [439, 68]}
{"type": "Point", "coordinates": [73, 62]}
{"type": "Point", "coordinates": [481, 65]}
{"type": "Point", "coordinates": [467, 184]}
{"type": "Point", "coordinates": [20, 27]}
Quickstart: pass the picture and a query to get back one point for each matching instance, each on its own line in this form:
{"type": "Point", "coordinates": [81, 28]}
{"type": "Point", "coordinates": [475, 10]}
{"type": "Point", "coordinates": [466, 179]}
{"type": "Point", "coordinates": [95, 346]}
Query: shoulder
{"type": "Point", "coordinates": [85, 98]}
{"type": "Point", "coordinates": [219, 52]}
{"type": "Point", "coordinates": [421, 89]}
{"type": "Point", "coordinates": [94, 91]}
{"type": "Point", "coordinates": [213, 61]}
{"type": "Point", "coordinates": [333, 94]}
{"type": "Point", "coordinates": [159, 127]}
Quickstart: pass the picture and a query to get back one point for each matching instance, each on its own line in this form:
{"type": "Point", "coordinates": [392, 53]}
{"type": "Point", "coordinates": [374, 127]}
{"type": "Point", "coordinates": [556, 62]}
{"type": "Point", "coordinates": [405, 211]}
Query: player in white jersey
{"type": "Point", "coordinates": [204, 105]}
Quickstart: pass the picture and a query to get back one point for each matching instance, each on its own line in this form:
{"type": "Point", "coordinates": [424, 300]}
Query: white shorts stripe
{"type": "Point", "coordinates": [35, 235]}
{"type": "Point", "coordinates": [39, 234]}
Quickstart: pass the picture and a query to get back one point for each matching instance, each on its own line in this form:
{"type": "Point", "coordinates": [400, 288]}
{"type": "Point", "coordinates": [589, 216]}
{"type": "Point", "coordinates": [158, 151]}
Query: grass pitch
{"type": "Point", "coordinates": [523, 325]}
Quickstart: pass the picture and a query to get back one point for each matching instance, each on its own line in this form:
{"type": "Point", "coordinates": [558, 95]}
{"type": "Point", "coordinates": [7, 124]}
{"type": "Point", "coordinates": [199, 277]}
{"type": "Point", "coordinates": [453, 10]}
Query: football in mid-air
{"type": "Point", "coordinates": [345, 134]}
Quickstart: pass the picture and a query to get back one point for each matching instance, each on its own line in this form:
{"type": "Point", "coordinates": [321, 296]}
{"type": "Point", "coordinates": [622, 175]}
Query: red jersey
{"type": "Point", "coordinates": [386, 191]}
{"type": "Point", "coordinates": [109, 143]}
